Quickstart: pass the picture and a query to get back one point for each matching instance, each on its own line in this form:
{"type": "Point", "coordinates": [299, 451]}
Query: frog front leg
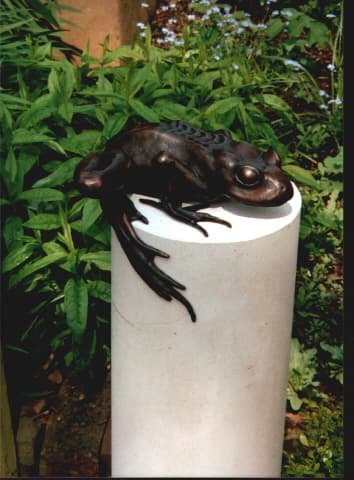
{"type": "Point", "coordinates": [120, 212]}
{"type": "Point", "coordinates": [170, 166]}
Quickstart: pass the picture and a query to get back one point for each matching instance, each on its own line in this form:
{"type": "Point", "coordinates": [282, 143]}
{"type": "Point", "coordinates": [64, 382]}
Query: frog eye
{"type": "Point", "coordinates": [248, 176]}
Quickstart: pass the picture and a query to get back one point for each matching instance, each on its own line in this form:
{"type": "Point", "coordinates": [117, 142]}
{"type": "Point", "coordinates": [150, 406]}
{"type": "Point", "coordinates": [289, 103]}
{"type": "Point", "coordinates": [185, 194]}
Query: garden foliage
{"type": "Point", "coordinates": [256, 78]}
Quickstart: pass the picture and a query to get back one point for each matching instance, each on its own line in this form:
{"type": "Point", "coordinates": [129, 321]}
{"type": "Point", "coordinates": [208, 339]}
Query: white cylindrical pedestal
{"type": "Point", "coordinates": [205, 399]}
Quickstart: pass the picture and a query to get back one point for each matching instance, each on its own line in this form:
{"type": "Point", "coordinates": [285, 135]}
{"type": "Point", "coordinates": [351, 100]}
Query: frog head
{"type": "Point", "coordinates": [254, 177]}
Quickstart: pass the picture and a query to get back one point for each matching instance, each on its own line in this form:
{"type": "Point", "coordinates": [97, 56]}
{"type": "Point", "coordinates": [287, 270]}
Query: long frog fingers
{"type": "Point", "coordinates": [120, 212]}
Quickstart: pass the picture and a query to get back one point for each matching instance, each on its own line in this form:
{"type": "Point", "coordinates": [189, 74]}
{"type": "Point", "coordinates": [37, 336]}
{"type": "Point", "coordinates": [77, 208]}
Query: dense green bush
{"type": "Point", "coordinates": [227, 70]}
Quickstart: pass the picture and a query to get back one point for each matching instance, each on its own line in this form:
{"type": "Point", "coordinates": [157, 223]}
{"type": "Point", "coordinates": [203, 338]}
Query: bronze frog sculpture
{"type": "Point", "coordinates": [176, 163]}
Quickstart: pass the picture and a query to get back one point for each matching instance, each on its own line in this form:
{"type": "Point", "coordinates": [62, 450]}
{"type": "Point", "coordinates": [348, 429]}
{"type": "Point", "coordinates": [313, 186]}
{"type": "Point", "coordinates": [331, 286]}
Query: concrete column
{"type": "Point", "coordinates": [205, 399]}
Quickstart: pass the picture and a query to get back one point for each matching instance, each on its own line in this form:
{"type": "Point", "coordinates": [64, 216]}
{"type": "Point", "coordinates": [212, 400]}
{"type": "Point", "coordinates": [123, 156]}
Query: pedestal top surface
{"type": "Point", "coordinates": [248, 222]}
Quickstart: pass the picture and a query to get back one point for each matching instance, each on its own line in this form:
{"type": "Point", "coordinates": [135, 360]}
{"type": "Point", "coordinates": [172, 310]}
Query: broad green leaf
{"type": "Point", "coordinates": [53, 247]}
{"type": "Point", "coordinates": [145, 112]}
{"type": "Point", "coordinates": [169, 110]}
{"type": "Point", "coordinates": [222, 106]}
{"type": "Point", "coordinates": [66, 110]}
{"type": "Point", "coordinates": [301, 175]}
{"type": "Point", "coordinates": [40, 110]}
{"type": "Point", "coordinates": [12, 232]}
{"type": "Point", "coordinates": [91, 211]}
{"type": "Point", "coordinates": [17, 256]}
{"type": "Point", "coordinates": [42, 195]}
{"type": "Point", "coordinates": [274, 101]}
{"type": "Point", "coordinates": [82, 143]}
{"type": "Point", "coordinates": [76, 306]}
{"type": "Point", "coordinates": [43, 221]}
{"type": "Point", "coordinates": [100, 289]}
{"type": "Point", "coordinates": [114, 125]}
{"type": "Point", "coordinates": [61, 175]}
{"type": "Point", "coordinates": [32, 267]}
{"type": "Point", "coordinates": [137, 78]}
{"type": "Point", "coordinates": [274, 27]}
{"type": "Point", "coordinates": [11, 165]}
{"type": "Point", "coordinates": [22, 136]}
{"type": "Point", "coordinates": [101, 259]}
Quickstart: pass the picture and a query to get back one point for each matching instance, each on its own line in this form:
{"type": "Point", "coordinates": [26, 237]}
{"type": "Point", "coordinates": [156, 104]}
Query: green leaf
{"type": "Point", "coordinates": [22, 136]}
{"type": "Point", "coordinates": [76, 306]}
{"type": "Point", "coordinates": [91, 211]}
{"type": "Point", "coordinates": [11, 165]}
{"type": "Point", "coordinates": [114, 125]}
{"type": "Point", "coordinates": [275, 102]}
{"type": "Point", "coordinates": [222, 106]}
{"type": "Point", "coordinates": [101, 259]}
{"type": "Point", "coordinates": [146, 112]}
{"type": "Point", "coordinates": [42, 195]}
{"type": "Point", "coordinates": [61, 175]}
{"type": "Point", "coordinates": [17, 256]}
{"type": "Point", "coordinates": [12, 232]}
{"type": "Point", "coordinates": [100, 289]}
{"type": "Point", "coordinates": [169, 110]}
{"type": "Point", "coordinates": [301, 175]}
{"type": "Point", "coordinates": [274, 28]}
{"type": "Point", "coordinates": [66, 110]}
{"type": "Point", "coordinates": [34, 267]}
{"type": "Point", "coordinates": [43, 221]}
{"type": "Point", "coordinates": [82, 143]}
{"type": "Point", "coordinates": [137, 78]}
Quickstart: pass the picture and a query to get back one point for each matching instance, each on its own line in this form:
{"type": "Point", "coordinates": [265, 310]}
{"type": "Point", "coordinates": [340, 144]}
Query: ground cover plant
{"type": "Point", "coordinates": [270, 72]}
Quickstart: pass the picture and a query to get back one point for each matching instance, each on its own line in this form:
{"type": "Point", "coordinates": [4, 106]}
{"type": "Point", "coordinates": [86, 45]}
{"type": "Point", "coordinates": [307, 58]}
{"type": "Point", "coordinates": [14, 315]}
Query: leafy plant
{"type": "Point", "coordinates": [302, 370]}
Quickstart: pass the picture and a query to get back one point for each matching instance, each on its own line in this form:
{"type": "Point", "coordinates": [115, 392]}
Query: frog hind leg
{"type": "Point", "coordinates": [187, 215]}
{"type": "Point", "coordinates": [120, 212]}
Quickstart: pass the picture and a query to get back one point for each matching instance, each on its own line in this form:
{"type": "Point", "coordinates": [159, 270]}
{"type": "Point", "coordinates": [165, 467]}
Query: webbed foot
{"type": "Point", "coordinates": [120, 212]}
{"type": "Point", "coordinates": [187, 215]}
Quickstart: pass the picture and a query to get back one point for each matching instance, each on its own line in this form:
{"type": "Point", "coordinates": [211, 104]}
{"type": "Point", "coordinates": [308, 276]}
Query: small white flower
{"type": "Point", "coordinates": [293, 63]}
{"type": "Point", "coordinates": [165, 30]}
{"type": "Point", "coordinates": [215, 10]}
{"type": "Point", "coordinates": [172, 5]}
{"type": "Point", "coordinates": [336, 101]}
{"type": "Point", "coordinates": [227, 9]}
{"type": "Point", "coordinates": [331, 15]}
{"type": "Point", "coordinates": [323, 93]}
{"type": "Point", "coordinates": [287, 13]}
{"type": "Point", "coordinates": [216, 57]}
{"type": "Point", "coordinates": [144, 5]}
{"type": "Point", "coordinates": [246, 23]}
{"type": "Point", "coordinates": [179, 42]}
{"type": "Point", "coordinates": [191, 17]}
{"type": "Point", "coordinates": [171, 21]}
{"type": "Point", "coordinates": [227, 34]}
{"type": "Point", "coordinates": [164, 8]}
{"type": "Point", "coordinates": [142, 34]}
{"type": "Point", "coordinates": [274, 13]}
{"type": "Point", "coordinates": [235, 66]}
{"type": "Point", "coordinates": [261, 26]}
{"type": "Point", "coordinates": [141, 25]}
{"type": "Point", "coordinates": [240, 30]}
{"type": "Point", "coordinates": [323, 107]}
{"type": "Point", "coordinates": [331, 67]}
{"type": "Point", "coordinates": [160, 40]}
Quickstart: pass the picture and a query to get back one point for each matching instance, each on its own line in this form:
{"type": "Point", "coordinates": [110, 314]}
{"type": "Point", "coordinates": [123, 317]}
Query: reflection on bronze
{"type": "Point", "coordinates": [176, 163]}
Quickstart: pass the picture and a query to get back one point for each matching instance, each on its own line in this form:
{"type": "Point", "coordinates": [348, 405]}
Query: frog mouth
{"type": "Point", "coordinates": [273, 191]}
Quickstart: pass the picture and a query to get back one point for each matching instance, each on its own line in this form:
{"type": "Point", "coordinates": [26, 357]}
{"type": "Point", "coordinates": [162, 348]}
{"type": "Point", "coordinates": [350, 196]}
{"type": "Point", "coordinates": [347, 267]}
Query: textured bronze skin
{"type": "Point", "coordinates": [176, 163]}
